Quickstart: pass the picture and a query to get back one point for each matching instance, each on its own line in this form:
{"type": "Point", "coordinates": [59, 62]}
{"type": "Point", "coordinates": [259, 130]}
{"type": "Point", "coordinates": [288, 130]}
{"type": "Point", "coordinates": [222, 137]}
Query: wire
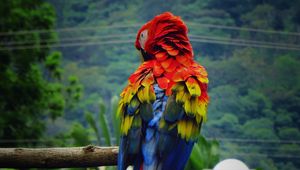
{"type": "Point", "coordinates": [131, 41]}
{"type": "Point", "coordinates": [80, 38]}
{"type": "Point", "coordinates": [260, 148]}
{"type": "Point", "coordinates": [243, 40]}
{"type": "Point", "coordinates": [30, 140]}
{"type": "Point", "coordinates": [68, 29]}
{"type": "Point", "coordinates": [255, 140]}
{"type": "Point", "coordinates": [244, 29]}
{"type": "Point", "coordinates": [262, 155]}
{"type": "Point", "coordinates": [207, 138]}
{"type": "Point", "coordinates": [93, 28]}
{"type": "Point", "coordinates": [68, 45]}
{"type": "Point", "coordinates": [244, 44]}
{"type": "Point", "coordinates": [87, 38]}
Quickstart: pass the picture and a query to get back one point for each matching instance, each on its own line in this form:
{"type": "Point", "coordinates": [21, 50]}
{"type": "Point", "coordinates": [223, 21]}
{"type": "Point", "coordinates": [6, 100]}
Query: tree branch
{"type": "Point", "coordinates": [88, 156]}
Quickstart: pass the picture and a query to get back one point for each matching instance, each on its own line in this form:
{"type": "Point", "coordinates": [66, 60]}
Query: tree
{"type": "Point", "coordinates": [29, 85]}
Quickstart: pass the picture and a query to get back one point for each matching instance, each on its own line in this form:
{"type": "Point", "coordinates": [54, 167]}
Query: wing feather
{"type": "Point", "coordinates": [134, 108]}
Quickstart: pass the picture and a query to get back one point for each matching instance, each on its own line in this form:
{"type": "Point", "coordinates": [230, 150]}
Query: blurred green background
{"type": "Point", "coordinates": [64, 63]}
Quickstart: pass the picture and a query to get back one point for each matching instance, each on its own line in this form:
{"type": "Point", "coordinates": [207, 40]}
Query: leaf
{"type": "Point", "coordinates": [103, 124]}
{"type": "Point", "coordinates": [195, 155]}
{"type": "Point", "coordinates": [91, 121]}
{"type": "Point", "coordinates": [205, 154]}
{"type": "Point", "coordinates": [115, 121]}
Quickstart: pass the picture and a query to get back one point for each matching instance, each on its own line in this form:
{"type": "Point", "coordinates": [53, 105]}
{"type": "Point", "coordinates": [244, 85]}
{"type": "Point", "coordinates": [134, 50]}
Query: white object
{"type": "Point", "coordinates": [231, 164]}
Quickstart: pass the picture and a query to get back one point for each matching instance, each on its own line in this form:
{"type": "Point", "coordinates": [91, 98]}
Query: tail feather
{"type": "Point", "coordinates": [149, 148]}
{"type": "Point", "coordinates": [179, 155]}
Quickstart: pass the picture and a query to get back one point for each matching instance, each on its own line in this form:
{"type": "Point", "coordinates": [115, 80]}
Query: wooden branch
{"type": "Point", "coordinates": [89, 156]}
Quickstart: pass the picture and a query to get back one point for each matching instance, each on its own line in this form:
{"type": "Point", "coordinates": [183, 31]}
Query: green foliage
{"type": "Point", "coordinates": [289, 133]}
{"type": "Point", "coordinates": [79, 134]}
{"type": "Point", "coordinates": [26, 96]}
{"type": "Point", "coordinates": [103, 124]}
{"type": "Point", "coordinates": [74, 91]}
{"type": "Point", "coordinates": [254, 91]}
{"type": "Point", "coordinates": [205, 155]}
{"type": "Point", "coordinates": [101, 127]}
{"type": "Point", "coordinates": [53, 63]}
{"type": "Point", "coordinates": [115, 120]}
{"type": "Point", "coordinates": [91, 121]}
{"type": "Point", "coordinates": [259, 129]}
{"type": "Point", "coordinates": [263, 17]}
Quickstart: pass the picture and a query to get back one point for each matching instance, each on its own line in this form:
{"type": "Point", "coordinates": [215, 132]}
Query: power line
{"type": "Point", "coordinates": [255, 140]}
{"type": "Point", "coordinates": [232, 42]}
{"type": "Point", "coordinates": [260, 148]}
{"type": "Point", "coordinates": [68, 45]}
{"type": "Point", "coordinates": [31, 140]}
{"type": "Point", "coordinates": [80, 38]}
{"type": "Point", "coordinates": [244, 44]}
{"type": "Point", "coordinates": [207, 138]}
{"type": "Point", "coordinates": [86, 38]}
{"type": "Point", "coordinates": [243, 41]}
{"type": "Point", "coordinates": [262, 155]}
{"type": "Point", "coordinates": [244, 29]}
{"type": "Point", "coordinates": [68, 29]}
{"type": "Point", "coordinates": [93, 28]}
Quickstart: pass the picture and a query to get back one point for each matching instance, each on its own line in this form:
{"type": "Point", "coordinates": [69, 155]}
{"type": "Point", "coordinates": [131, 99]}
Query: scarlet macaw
{"type": "Point", "coordinates": [165, 102]}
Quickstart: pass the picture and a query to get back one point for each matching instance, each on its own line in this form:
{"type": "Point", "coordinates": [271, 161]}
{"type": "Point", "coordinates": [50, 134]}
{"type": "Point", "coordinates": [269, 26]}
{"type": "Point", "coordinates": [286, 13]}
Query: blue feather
{"type": "Point", "coordinates": [177, 158]}
{"type": "Point", "coordinates": [151, 147]}
{"type": "Point", "coordinates": [122, 154]}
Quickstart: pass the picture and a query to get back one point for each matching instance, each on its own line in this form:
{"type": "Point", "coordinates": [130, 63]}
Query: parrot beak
{"type": "Point", "coordinates": [145, 56]}
{"type": "Point", "coordinates": [141, 56]}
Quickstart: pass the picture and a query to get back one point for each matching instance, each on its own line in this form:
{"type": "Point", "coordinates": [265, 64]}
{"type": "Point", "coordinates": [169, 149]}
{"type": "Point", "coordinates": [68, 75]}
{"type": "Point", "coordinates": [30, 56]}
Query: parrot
{"type": "Point", "coordinates": [165, 102]}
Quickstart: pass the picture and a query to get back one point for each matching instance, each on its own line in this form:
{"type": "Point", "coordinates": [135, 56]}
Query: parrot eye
{"type": "Point", "coordinates": [143, 38]}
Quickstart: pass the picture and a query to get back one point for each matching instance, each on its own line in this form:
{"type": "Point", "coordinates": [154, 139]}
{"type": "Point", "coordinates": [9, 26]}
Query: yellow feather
{"type": "Point", "coordinates": [203, 79]}
{"type": "Point", "coordinates": [202, 109]}
{"type": "Point", "coordinates": [137, 122]}
{"type": "Point", "coordinates": [120, 109]}
{"type": "Point", "coordinates": [140, 95]}
{"type": "Point", "coordinates": [127, 124]}
{"type": "Point", "coordinates": [193, 87]}
{"type": "Point", "coordinates": [134, 102]}
{"type": "Point", "coordinates": [128, 95]}
{"type": "Point", "coordinates": [195, 130]}
{"type": "Point", "coordinates": [146, 94]}
{"type": "Point", "coordinates": [180, 128]}
{"type": "Point", "coordinates": [183, 128]}
{"type": "Point", "coordinates": [179, 96]}
{"type": "Point", "coordinates": [178, 87]}
{"type": "Point", "coordinates": [152, 96]}
{"type": "Point", "coordinates": [187, 106]}
{"type": "Point", "coordinates": [162, 123]}
{"type": "Point", "coordinates": [121, 126]}
{"type": "Point", "coordinates": [198, 90]}
{"type": "Point", "coordinates": [194, 103]}
{"type": "Point", "coordinates": [198, 118]}
{"type": "Point", "coordinates": [189, 126]}
{"type": "Point", "coordinates": [137, 111]}
{"type": "Point", "coordinates": [186, 96]}
{"type": "Point", "coordinates": [172, 126]}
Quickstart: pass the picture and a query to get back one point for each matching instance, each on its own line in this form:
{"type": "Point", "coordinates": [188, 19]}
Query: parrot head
{"type": "Point", "coordinates": [163, 32]}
